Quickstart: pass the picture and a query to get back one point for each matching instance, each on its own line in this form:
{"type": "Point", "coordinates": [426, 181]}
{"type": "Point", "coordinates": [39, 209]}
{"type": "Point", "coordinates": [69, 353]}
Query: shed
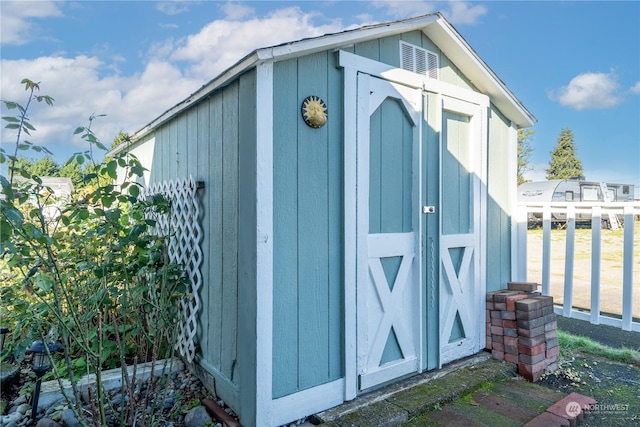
{"type": "Point", "coordinates": [357, 204]}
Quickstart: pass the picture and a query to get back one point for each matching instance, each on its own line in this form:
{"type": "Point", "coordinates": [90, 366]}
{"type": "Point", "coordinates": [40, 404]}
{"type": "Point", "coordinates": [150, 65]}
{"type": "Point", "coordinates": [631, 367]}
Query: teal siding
{"type": "Point", "coordinates": [203, 142]}
{"type": "Point", "coordinates": [390, 170]}
{"type": "Point", "coordinates": [456, 175]}
{"type": "Point", "coordinates": [498, 202]}
{"type": "Point", "coordinates": [308, 206]}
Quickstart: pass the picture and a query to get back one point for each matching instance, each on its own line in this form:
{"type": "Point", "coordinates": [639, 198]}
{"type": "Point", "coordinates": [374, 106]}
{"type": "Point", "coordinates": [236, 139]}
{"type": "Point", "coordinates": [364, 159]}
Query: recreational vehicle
{"type": "Point", "coordinates": [573, 190]}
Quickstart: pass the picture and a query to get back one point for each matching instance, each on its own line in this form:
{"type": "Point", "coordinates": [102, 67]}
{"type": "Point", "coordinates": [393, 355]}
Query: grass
{"type": "Point", "coordinates": [573, 344]}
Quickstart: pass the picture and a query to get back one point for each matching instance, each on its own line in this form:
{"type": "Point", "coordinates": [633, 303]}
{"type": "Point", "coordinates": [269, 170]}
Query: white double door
{"type": "Point", "coordinates": [389, 300]}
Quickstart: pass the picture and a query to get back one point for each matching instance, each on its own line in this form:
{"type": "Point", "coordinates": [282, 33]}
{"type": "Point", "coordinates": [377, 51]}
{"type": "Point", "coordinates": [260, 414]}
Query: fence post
{"type": "Point", "coordinates": [596, 243]}
{"type": "Point", "coordinates": [627, 275]}
{"type": "Point", "coordinates": [546, 250]}
{"type": "Point", "coordinates": [567, 302]}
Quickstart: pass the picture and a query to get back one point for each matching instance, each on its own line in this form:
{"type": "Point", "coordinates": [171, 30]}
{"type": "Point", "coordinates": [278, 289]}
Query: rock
{"type": "Point", "coordinates": [23, 408]}
{"type": "Point", "coordinates": [5, 420]}
{"type": "Point", "coordinates": [19, 400]}
{"type": "Point", "coordinates": [197, 417]}
{"type": "Point", "coordinates": [47, 422]}
{"type": "Point", "coordinates": [8, 374]}
{"type": "Point", "coordinates": [69, 419]}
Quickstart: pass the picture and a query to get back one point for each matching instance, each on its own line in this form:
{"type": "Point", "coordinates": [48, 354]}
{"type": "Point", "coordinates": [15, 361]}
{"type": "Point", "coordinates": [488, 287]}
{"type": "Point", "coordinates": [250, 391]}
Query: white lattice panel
{"type": "Point", "coordinates": [183, 224]}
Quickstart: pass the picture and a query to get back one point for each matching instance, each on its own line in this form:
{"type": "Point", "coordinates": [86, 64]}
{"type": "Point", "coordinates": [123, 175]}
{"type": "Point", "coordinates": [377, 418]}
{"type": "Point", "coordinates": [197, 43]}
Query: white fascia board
{"type": "Point", "coordinates": [478, 72]}
{"type": "Point", "coordinates": [286, 51]}
{"type": "Point", "coordinates": [220, 81]}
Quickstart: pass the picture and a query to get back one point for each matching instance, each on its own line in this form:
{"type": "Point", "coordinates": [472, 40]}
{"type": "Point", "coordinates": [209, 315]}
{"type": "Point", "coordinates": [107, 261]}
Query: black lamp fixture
{"type": "Point", "coordinates": [40, 364]}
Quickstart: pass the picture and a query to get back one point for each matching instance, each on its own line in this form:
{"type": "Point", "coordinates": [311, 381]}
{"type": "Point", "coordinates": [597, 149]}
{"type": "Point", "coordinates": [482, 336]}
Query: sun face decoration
{"type": "Point", "coordinates": [314, 111]}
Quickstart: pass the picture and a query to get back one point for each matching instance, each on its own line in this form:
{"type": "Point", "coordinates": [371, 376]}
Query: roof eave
{"type": "Point", "coordinates": [478, 72]}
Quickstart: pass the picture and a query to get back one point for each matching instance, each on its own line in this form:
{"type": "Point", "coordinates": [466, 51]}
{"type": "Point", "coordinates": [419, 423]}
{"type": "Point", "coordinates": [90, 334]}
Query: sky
{"type": "Point", "coordinates": [573, 64]}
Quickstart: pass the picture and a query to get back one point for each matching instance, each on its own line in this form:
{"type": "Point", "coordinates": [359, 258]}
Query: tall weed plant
{"type": "Point", "coordinates": [87, 272]}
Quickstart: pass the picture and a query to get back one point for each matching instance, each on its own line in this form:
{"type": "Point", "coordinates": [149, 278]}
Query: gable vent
{"type": "Point", "coordinates": [418, 60]}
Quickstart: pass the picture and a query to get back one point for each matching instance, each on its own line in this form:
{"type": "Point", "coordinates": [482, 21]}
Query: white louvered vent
{"type": "Point", "coordinates": [418, 60]}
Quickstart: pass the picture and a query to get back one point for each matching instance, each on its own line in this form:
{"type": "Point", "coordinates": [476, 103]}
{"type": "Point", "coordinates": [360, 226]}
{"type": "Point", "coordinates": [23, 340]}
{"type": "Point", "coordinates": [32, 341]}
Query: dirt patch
{"type": "Point", "coordinates": [615, 386]}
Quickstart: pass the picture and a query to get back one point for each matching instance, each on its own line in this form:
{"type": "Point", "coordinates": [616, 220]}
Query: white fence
{"type": "Point", "coordinates": [566, 215]}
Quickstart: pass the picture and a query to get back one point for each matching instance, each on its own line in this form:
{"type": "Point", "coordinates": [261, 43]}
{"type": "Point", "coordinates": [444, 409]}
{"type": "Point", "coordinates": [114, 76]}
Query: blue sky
{"type": "Point", "coordinates": [574, 64]}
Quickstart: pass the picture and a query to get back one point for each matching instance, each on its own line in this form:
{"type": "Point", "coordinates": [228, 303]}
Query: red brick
{"type": "Point", "coordinates": [532, 372]}
{"type": "Point", "coordinates": [551, 326]}
{"type": "Point", "coordinates": [550, 335]}
{"type": "Point", "coordinates": [528, 315]}
{"type": "Point", "coordinates": [497, 330]}
{"type": "Point", "coordinates": [528, 304]}
{"type": "Point", "coordinates": [547, 310]}
{"type": "Point", "coordinates": [522, 286]}
{"type": "Point", "coordinates": [511, 349]}
{"type": "Point", "coordinates": [531, 341]}
{"type": "Point", "coordinates": [497, 354]}
{"type": "Point", "coordinates": [511, 301]}
{"type": "Point", "coordinates": [532, 359]}
{"type": "Point", "coordinates": [487, 342]}
{"type": "Point", "coordinates": [545, 300]}
{"type": "Point", "coordinates": [502, 295]}
{"type": "Point", "coordinates": [552, 359]}
{"type": "Point", "coordinates": [494, 314]}
{"type": "Point", "coordinates": [488, 328]}
{"type": "Point", "coordinates": [531, 351]}
{"type": "Point", "coordinates": [509, 324]}
{"type": "Point", "coordinates": [553, 351]}
{"type": "Point", "coordinates": [490, 305]}
{"type": "Point", "coordinates": [511, 332]}
{"type": "Point", "coordinates": [500, 305]}
{"type": "Point", "coordinates": [539, 331]}
{"type": "Point", "coordinates": [552, 343]}
{"type": "Point", "coordinates": [508, 315]}
{"type": "Point", "coordinates": [497, 338]}
{"type": "Point", "coordinates": [551, 366]}
{"type": "Point", "coordinates": [510, 341]}
{"type": "Point", "coordinates": [489, 296]}
{"type": "Point", "coordinates": [530, 324]}
{"type": "Point", "coordinates": [583, 403]}
{"type": "Point", "coordinates": [511, 358]}
{"type": "Point", "coordinates": [496, 321]}
{"type": "Point", "coordinates": [498, 346]}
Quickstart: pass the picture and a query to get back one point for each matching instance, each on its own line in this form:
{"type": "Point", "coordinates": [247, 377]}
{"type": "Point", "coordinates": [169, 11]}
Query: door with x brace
{"type": "Point", "coordinates": [461, 282]}
{"type": "Point", "coordinates": [388, 248]}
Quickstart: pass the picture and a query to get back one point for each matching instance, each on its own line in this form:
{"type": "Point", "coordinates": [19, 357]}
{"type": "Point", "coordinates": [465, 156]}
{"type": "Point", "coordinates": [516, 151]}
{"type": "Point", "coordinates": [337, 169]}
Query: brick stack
{"type": "Point", "coordinates": [521, 329]}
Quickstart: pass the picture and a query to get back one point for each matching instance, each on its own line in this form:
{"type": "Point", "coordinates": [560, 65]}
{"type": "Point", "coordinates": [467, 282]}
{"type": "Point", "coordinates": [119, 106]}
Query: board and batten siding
{"type": "Point", "coordinates": [204, 142]}
{"type": "Point", "coordinates": [308, 260]}
{"type": "Point", "coordinates": [500, 179]}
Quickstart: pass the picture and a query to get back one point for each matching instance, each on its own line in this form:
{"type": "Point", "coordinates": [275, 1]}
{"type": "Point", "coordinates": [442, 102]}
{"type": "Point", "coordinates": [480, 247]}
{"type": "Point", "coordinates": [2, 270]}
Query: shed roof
{"type": "Point", "coordinates": [434, 26]}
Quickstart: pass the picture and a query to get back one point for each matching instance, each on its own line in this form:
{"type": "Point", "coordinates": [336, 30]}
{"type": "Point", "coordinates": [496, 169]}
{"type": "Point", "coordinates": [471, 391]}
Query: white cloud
{"type": "Point", "coordinates": [589, 91]}
{"type": "Point", "coordinates": [456, 12]}
{"type": "Point", "coordinates": [463, 12]}
{"type": "Point", "coordinates": [174, 7]}
{"type": "Point", "coordinates": [84, 85]}
{"type": "Point", "coordinates": [635, 88]}
{"type": "Point", "coordinates": [405, 9]}
{"type": "Point", "coordinates": [17, 20]}
{"type": "Point", "coordinates": [221, 43]}
{"type": "Point", "coordinates": [235, 10]}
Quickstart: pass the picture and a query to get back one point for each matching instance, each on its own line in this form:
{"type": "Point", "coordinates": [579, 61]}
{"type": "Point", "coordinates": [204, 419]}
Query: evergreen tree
{"type": "Point", "coordinates": [524, 152]}
{"type": "Point", "coordinates": [46, 166]}
{"type": "Point", "coordinates": [73, 170]}
{"type": "Point", "coordinates": [564, 164]}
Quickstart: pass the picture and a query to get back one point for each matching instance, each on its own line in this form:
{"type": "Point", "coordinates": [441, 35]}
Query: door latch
{"type": "Point", "coordinates": [428, 209]}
